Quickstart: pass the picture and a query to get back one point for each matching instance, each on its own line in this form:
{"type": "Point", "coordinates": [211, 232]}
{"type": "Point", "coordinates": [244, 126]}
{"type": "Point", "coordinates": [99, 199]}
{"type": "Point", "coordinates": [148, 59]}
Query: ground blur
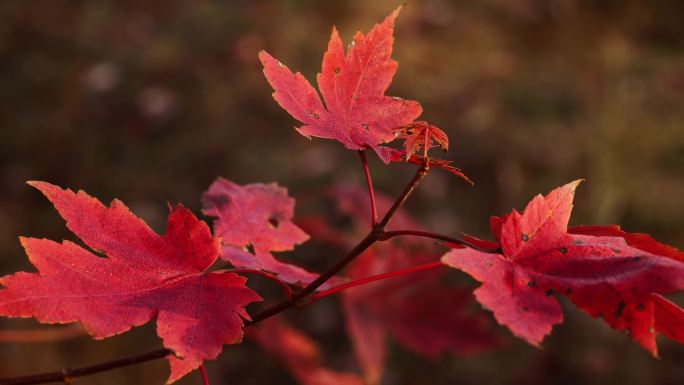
{"type": "Point", "coordinates": [149, 101]}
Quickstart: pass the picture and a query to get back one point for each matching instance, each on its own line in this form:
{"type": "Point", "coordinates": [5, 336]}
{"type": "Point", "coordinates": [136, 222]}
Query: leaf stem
{"type": "Point", "coordinates": [369, 183]}
{"type": "Point", "coordinates": [378, 277]}
{"type": "Point", "coordinates": [427, 234]}
{"type": "Point", "coordinates": [203, 374]}
{"type": "Point", "coordinates": [366, 242]}
{"type": "Point", "coordinates": [425, 142]}
{"type": "Point", "coordinates": [287, 291]}
{"type": "Point", "coordinates": [66, 375]}
{"type": "Point", "coordinates": [417, 178]}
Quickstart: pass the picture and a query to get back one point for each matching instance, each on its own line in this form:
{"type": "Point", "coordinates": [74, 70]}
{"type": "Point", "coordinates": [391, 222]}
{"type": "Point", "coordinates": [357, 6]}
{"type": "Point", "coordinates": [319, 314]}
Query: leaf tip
{"type": "Point", "coordinates": [47, 189]}
{"type": "Point", "coordinates": [266, 59]}
{"type": "Point", "coordinates": [37, 183]}
{"type": "Point", "coordinates": [398, 9]}
{"type": "Point", "coordinates": [572, 186]}
{"type": "Point", "coordinates": [263, 54]}
{"type": "Point", "coordinates": [23, 241]}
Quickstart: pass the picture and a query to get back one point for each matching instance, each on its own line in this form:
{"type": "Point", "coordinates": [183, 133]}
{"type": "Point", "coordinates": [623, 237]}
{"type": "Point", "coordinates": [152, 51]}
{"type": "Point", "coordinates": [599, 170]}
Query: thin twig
{"type": "Point", "coordinates": [426, 234]}
{"type": "Point", "coordinates": [378, 277]}
{"type": "Point", "coordinates": [66, 375]}
{"type": "Point", "coordinates": [203, 374]}
{"type": "Point", "coordinates": [417, 178]}
{"type": "Point", "coordinates": [371, 191]}
{"type": "Point", "coordinates": [371, 238]}
{"type": "Point", "coordinates": [287, 291]}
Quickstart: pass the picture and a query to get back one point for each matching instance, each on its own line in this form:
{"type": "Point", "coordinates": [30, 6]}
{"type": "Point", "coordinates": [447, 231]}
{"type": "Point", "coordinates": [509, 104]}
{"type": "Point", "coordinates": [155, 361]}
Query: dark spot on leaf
{"type": "Point", "coordinates": [216, 200]}
{"type": "Point", "coordinates": [309, 112]}
{"type": "Point", "coordinates": [640, 307]}
{"type": "Point", "coordinates": [525, 308]}
{"type": "Point", "coordinates": [337, 70]}
{"type": "Point", "coordinates": [636, 259]}
{"type": "Point", "coordinates": [549, 292]}
{"type": "Point", "coordinates": [616, 251]}
{"type": "Point", "coordinates": [250, 249]}
{"type": "Point", "coordinates": [273, 222]}
{"type": "Point", "coordinates": [315, 116]}
{"type": "Point", "coordinates": [525, 238]}
{"type": "Point", "coordinates": [365, 126]}
{"type": "Point", "coordinates": [568, 291]}
{"type": "Point", "coordinates": [531, 284]}
{"type": "Point", "coordinates": [563, 250]}
{"type": "Point", "coordinates": [620, 308]}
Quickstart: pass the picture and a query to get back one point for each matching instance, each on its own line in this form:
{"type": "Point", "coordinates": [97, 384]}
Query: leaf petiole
{"type": "Point", "coordinates": [378, 277]}
{"type": "Point", "coordinates": [371, 192]}
{"type": "Point", "coordinates": [287, 291]}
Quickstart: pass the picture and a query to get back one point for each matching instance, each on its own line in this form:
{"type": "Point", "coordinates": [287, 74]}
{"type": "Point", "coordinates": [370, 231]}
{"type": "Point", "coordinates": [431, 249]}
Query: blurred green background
{"type": "Point", "coordinates": [148, 101]}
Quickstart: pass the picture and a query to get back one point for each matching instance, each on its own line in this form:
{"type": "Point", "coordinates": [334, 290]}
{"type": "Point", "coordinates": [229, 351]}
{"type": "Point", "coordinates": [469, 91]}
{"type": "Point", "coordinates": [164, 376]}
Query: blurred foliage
{"type": "Point", "coordinates": [149, 100]}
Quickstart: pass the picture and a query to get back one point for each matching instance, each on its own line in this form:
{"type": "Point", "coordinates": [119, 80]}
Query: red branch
{"type": "Point", "coordinates": [417, 178]}
{"type": "Point", "coordinates": [378, 277]}
{"type": "Point", "coordinates": [66, 375]}
{"type": "Point", "coordinates": [426, 234]}
{"type": "Point", "coordinates": [287, 292]}
{"type": "Point", "coordinates": [371, 192]}
{"type": "Point", "coordinates": [203, 373]}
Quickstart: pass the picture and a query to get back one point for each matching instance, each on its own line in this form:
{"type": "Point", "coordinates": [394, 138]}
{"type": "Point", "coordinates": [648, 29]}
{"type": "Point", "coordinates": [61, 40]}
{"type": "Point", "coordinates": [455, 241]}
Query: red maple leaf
{"type": "Point", "coordinates": [394, 155]}
{"type": "Point", "coordinates": [419, 135]}
{"type": "Point", "coordinates": [252, 221]}
{"type": "Point", "coordinates": [299, 354]}
{"type": "Point", "coordinates": [603, 275]}
{"type": "Point", "coordinates": [357, 113]}
{"type": "Point", "coordinates": [143, 276]}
